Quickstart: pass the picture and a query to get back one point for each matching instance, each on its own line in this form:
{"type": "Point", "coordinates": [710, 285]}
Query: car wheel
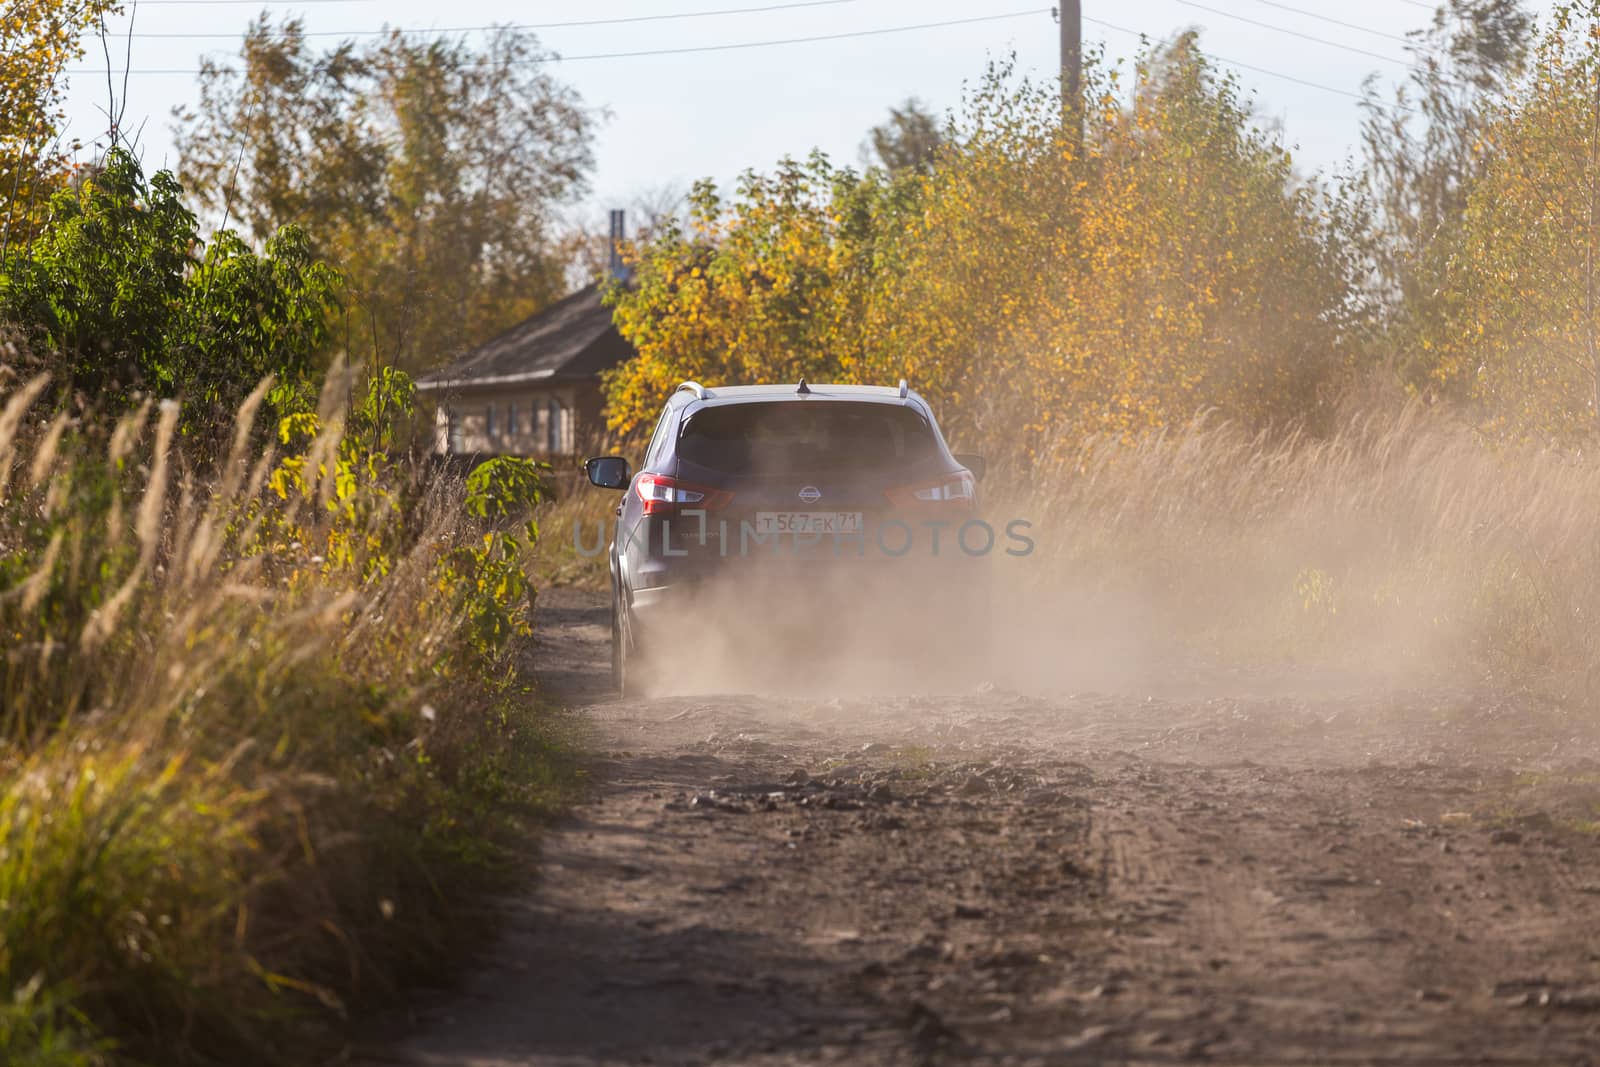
{"type": "Point", "coordinates": [619, 649]}
{"type": "Point", "coordinates": [626, 659]}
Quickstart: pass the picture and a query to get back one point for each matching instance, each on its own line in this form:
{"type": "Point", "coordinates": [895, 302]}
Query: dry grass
{"type": "Point", "coordinates": [572, 526]}
{"type": "Point", "coordinates": [575, 524]}
{"type": "Point", "coordinates": [255, 747]}
{"type": "Point", "coordinates": [1402, 548]}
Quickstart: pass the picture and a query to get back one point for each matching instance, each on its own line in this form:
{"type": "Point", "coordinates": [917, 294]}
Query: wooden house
{"type": "Point", "coordinates": [535, 389]}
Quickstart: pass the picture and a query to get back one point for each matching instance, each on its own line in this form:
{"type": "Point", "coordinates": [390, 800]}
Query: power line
{"type": "Point", "coordinates": [718, 47]}
{"type": "Point", "coordinates": [848, 35]}
{"type": "Point", "coordinates": [1295, 33]}
{"type": "Point", "coordinates": [1337, 22]}
{"type": "Point", "coordinates": [1236, 63]}
{"type": "Point", "coordinates": [520, 26]}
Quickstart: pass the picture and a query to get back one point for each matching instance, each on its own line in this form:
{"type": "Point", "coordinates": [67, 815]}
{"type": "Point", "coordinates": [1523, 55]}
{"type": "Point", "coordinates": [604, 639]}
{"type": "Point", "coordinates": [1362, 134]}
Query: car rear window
{"type": "Point", "coordinates": [784, 437]}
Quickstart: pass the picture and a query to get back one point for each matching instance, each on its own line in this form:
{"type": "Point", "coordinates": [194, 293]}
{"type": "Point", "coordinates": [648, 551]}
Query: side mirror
{"type": "Point", "coordinates": [608, 472]}
{"type": "Point", "coordinates": [976, 464]}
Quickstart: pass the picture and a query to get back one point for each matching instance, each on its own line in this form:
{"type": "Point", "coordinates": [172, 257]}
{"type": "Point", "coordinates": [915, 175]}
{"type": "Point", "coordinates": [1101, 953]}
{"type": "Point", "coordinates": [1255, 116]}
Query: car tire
{"type": "Point", "coordinates": [625, 659]}
{"type": "Point", "coordinates": [619, 650]}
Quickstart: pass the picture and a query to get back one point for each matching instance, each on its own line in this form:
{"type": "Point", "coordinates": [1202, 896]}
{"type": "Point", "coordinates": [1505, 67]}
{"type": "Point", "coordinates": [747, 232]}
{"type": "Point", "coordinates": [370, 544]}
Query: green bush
{"type": "Point", "coordinates": [121, 297]}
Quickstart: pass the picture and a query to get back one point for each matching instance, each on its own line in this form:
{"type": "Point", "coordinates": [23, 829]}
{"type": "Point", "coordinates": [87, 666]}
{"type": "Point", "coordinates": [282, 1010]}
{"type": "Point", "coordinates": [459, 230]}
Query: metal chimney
{"type": "Point", "coordinates": [619, 233]}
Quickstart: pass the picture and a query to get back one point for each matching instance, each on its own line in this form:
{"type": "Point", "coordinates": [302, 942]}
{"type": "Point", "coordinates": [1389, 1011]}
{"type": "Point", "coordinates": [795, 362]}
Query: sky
{"type": "Point", "coordinates": [680, 116]}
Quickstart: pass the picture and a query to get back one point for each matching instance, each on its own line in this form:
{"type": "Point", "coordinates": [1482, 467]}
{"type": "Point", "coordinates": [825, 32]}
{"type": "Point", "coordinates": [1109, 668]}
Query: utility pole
{"type": "Point", "coordinates": [1070, 16]}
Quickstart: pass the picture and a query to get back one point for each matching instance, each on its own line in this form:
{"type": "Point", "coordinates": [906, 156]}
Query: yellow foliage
{"type": "Point", "coordinates": [1029, 286]}
{"type": "Point", "coordinates": [38, 38]}
{"type": "Point", "coordinates": [1511, 323]}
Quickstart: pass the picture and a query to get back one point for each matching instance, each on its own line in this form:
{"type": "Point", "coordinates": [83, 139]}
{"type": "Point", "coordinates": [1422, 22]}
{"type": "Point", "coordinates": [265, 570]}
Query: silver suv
{"type": "Point", "coordinates": [783, 514]}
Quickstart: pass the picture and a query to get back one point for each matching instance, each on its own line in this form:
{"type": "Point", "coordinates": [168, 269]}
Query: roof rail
{"type": "Point", "coordinates": [904, 388]}
{"type": "Point", "coordinates": [700, 392]}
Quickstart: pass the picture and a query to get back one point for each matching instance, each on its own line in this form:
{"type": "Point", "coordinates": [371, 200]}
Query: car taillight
{"type": "Point", "coordinates": [958, 490]}
{"type": "Point", "coordinates": [662, 495]}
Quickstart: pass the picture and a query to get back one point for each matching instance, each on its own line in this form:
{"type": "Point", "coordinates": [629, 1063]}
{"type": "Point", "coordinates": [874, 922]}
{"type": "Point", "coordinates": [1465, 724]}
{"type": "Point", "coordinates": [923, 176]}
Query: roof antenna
{"type": "Point", "coordinates": [803, 389]}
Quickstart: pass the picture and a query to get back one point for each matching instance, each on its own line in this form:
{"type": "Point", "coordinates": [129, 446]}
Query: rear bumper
{"type": "Point", "coordinates": [894, 602]}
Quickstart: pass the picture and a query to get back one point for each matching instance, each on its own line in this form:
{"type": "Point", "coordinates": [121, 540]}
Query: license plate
{"type": "Point", "coordinates": [808, 522]}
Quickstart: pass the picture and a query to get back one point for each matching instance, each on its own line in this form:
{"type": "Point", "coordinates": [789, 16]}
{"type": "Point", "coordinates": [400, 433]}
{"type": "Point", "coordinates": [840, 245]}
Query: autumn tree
{"type": "Point", "coordinates": [1425, 148]}
{"type": "Point", "coordinates": [1033, 287]}
{"type": "Point", "coordinates": [1515, 327]}
{"type": "Point", "coordinates": [908, 140]}
{"type": "Point", "coordinates": [38, 39]}
{"type": "Point", "coordinates": [771, 286]}
{"type": "Point", "coordinates": [429, 171]}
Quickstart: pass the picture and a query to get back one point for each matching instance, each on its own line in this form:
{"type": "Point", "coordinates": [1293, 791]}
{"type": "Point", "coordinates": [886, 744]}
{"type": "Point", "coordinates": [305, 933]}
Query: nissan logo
{"type": "Point", "coordinates": [810, 494]}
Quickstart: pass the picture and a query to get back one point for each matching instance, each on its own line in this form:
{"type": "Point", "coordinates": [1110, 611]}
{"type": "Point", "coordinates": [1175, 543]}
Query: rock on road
{"type": "Point", "coordinates": [1001, 877]}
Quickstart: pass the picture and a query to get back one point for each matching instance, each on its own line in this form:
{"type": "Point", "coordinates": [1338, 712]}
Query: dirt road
{"type": "Point", "coordinates": [1001, 877]}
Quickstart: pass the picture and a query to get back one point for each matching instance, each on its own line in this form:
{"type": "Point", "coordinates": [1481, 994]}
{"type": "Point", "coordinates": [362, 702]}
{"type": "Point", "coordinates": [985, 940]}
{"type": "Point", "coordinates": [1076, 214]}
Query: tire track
{"type": "Point", "coordinates": [993, 877]}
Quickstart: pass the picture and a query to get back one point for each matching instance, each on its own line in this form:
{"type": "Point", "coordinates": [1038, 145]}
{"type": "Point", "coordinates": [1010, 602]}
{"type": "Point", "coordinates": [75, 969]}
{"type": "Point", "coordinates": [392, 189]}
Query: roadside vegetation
{"type": "Point", "coordinates": [1279, 417]}
{"type": "Point", "coordinates": [263, 730]}
{"type": "Point", "coordinates": [1397, 549]}
{"type": "Point", "coordinates": [267, 732]}
{"type": "Point", "coordinates": [575, 530]}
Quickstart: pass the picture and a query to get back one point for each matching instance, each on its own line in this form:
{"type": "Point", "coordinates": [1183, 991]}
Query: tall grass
{"type": "Point", "coordinates": [575, 528]}
{"type": "Point", "coordinates": [1403, 545]}
{"type": "Point", "coordinates": [261, 731]}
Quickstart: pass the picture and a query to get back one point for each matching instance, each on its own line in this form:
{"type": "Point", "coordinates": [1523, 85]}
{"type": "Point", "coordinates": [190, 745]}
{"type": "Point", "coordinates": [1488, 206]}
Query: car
{"type": "Point", "coordinates": [782, 515]}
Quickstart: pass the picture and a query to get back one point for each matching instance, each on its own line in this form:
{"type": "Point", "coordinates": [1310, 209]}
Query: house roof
{"type": "Point", "coordinates": [571, 339]}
